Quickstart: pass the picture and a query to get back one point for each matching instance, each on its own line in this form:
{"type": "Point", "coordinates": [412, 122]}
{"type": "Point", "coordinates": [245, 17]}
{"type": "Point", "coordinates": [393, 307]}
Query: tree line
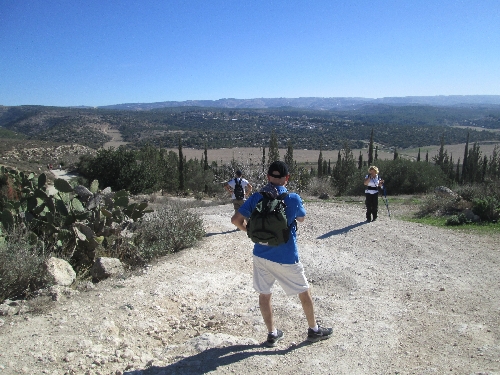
{"type": "Point", "coordinates": [151, 169]}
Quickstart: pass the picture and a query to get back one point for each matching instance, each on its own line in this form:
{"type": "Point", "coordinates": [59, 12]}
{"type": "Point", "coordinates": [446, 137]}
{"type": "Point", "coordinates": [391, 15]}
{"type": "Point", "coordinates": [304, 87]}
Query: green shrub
{"type": "Point", "coordinates": [401, 176]}
{"type": "Point", "coordinates": [407, 177]}
{"type": "Point", "coordinates": [434, 205]}
{"type": "Point", "coordinates": [455, 220]}
{"type": "Point", "coordinates": [168, 230]}
{"type": "Point", "coordinates": [488, 208]}
{"type": "Point", "coordinates": [468, 192]}
{"type": "Point", "coordinates": [21, 264]}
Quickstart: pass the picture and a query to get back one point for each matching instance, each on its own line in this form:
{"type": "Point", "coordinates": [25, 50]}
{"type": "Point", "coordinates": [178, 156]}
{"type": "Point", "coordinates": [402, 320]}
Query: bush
{"type": "Point", "coordinates": [435, 205]}
{"type": "Point", "coordinates": [21, 264]}
{"type": "Point", "coordinates": [168, 230]}
{"type": "Point", "coordinates": [408, 177]}
{"type": "Point", "coordinates": [468, 192]}
{"type": "Point", "coordinates": [488, 208]}
{"type": "Point", "coordinates": [455, 220]}
{"type": "Point", "coordinates": [319, 186]}
{"type": "Point", "coordinates": [401, 176]}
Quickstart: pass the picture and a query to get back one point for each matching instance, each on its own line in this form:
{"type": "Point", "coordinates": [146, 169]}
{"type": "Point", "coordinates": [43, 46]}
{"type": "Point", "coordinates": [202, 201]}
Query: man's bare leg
{"type": "Point", "coordinates": [308, 306]}
{"type": "Point", "coordinates": [266, 310]}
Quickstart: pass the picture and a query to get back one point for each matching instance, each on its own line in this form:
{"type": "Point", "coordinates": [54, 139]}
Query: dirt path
{"type": "Point", "coordinates": [403, 298]}
{"type": "Point", "coordinates": [59, 173]}
{"type": "Point", "coordinates": [116, 139]}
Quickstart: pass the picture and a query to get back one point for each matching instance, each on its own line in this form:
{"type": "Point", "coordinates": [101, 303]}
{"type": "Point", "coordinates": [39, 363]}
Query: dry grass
{"type": "Point", "coordinates": [310, 157]}
{"type": "Point", "coordinates": [253, 155]}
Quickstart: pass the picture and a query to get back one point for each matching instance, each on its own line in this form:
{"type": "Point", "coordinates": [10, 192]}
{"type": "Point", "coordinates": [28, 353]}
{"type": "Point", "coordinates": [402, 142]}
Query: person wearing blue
{"type": "Point", "coordinates": [372, 182]}
{"type": "Point", "coordinates": [280, 263]}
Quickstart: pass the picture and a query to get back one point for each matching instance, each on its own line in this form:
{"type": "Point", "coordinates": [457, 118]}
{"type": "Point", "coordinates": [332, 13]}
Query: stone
{"type": "Point", "coordinates": [106, 267]}
{"type": "Point", "coordinates": [59, 272]}
{"type": "Point", "coordinates": [445, 192]}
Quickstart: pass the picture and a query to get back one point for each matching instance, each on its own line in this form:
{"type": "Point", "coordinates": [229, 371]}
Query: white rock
{"type": "Point", "coordinates": [59, 272]}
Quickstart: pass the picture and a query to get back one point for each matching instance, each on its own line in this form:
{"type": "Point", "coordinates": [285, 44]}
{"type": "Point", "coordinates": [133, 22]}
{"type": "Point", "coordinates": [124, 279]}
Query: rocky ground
{"type": "Point", "coordinates": [402, 298]}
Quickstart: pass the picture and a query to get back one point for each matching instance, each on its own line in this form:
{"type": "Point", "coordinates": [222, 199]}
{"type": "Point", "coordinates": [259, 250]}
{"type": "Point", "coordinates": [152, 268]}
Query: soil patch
{"type": "Point", "coordinates": [403, 298]}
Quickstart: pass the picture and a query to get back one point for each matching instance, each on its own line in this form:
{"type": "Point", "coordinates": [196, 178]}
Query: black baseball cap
{"type": "Point", "coordinates": [279, 167]}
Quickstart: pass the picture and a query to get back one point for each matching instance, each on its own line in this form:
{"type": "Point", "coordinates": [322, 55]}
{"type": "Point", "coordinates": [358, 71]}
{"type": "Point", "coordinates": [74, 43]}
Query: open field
{"type": "Point", "coordinates": [117, 140]}
{"type": "Point", "coordinates": [253, 155]}
{"type": "Point", "coordinates": [310, 157]}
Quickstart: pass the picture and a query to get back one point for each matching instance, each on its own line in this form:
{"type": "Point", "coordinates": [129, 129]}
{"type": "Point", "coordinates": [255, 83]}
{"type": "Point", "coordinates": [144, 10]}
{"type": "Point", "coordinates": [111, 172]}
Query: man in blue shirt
{"type": "Point", "coordinates": [280, 263]}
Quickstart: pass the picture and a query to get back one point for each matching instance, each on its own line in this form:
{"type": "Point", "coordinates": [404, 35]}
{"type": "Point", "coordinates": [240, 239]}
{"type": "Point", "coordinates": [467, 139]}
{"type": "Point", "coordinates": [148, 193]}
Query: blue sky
{"type": "Point", "coordinates": [101, 52]}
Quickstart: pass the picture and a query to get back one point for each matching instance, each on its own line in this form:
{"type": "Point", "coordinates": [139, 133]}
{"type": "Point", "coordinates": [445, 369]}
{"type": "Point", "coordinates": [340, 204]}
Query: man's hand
{"type": "Point", "coordinates": [239, 221]}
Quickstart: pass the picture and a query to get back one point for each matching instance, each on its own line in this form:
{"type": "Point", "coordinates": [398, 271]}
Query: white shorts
{"type": "Point", "coordinates": [291, 277]}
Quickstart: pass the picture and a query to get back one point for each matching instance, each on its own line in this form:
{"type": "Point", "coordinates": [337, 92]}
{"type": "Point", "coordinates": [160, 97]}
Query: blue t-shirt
{"type": "Point", "coordinates": [286, 253]}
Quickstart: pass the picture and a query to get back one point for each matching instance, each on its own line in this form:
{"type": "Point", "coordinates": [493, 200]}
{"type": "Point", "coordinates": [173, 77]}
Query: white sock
{"type": "Point", "coordinates": [315, 328]}
{"type": "Point", "coordinates": [274, 333]}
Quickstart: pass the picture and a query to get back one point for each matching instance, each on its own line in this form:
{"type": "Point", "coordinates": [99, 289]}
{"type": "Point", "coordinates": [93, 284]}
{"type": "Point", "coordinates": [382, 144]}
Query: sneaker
{"type": "Point", "coordinates": [272, 340]}
{"type": "Point", "coordinates": [321, 334]}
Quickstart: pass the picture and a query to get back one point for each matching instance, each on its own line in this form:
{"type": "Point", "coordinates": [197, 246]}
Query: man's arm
{"type": "Point", "coordinates": [248, 189]}
{"type": "Point", "coordinates": [300, 219]}
{"type": "Point", "coordinates": [228, 188]}
{"type": "Point", "coordinates": [239, 221]}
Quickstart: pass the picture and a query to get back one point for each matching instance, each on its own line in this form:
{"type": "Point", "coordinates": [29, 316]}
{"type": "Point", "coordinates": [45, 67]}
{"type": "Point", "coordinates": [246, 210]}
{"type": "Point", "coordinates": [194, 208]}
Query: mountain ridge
{"type": "Point", "coordinates": [317, 103]}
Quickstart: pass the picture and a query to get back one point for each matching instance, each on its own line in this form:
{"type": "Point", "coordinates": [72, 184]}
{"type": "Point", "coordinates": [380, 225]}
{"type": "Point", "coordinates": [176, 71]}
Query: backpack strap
{"type": "Point", "coordinates": [282, 196]}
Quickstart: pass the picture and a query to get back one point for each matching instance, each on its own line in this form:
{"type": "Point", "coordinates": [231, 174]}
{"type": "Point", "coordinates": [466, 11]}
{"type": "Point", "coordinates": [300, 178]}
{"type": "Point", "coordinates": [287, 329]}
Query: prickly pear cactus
{"type": "Point", "coordinates": [75, 220]}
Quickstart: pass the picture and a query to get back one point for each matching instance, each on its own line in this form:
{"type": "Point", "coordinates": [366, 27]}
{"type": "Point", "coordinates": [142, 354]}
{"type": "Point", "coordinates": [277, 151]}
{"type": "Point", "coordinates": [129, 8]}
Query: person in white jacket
{"type": "Point", "coordinates": [372, 182]}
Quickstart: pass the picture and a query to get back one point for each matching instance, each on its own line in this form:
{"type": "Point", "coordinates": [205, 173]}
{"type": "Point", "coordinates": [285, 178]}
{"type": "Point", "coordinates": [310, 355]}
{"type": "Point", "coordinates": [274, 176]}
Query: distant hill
{"type": "Point", "coordinates": [308, 123]}
{"type": "Point", "coordinates": [316, 103]}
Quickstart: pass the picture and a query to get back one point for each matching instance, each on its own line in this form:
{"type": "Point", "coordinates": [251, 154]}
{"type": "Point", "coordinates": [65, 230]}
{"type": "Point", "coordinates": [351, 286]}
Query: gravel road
{"type": "Point", "coordinates": [402, 298]}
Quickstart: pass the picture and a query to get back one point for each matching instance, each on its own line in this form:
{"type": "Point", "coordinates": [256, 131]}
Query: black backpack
{"type": "Point", "coordinates": [268, 223]}
{"type": "Point", "coordinates": [238, 190]}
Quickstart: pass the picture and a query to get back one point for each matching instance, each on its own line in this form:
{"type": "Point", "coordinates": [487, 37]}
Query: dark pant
{"type": "Point", "coordinates": [237, 203]}
{"type": "Point", "coordinates": [371, 206]}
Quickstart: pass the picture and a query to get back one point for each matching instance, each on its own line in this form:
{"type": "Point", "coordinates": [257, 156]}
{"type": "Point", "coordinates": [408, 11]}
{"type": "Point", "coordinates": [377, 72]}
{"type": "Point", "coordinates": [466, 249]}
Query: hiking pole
{"type": "Point", "coordinates": [386, 201]}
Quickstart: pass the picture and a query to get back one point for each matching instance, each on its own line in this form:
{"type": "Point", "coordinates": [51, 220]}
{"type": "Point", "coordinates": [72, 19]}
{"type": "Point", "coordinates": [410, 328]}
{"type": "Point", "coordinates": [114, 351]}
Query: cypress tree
{"type": "Point", "coordinates": [344, 170]}
{"type": "Point", "coordinates": [289, 157]}
{"type": "Point", "coordinates": [263, 159]}
{"type": "Point", "coordinates": [439, 158]}
{"type": "Point", "coordinates": [320, 163]}
{"type": "Point", "coordinates": [485, 168]}
{"type": "Point", "coordinates": [181, 166]}
{"type": "Point", "coordinates": [205, 166]}
{"type": "Point", "coordinates": [274, 154]}
{"type": "Point", "coordinates": [370, 150]}
{"type": "Point", "coordinates": [465, 172]}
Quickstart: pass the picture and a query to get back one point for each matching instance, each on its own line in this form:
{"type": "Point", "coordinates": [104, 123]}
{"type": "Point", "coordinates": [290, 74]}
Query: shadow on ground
{"type": "Point", "coordinates": [211, 359]}
{"type": "Point", "coordinates": [342, 230]}
{"type": "Point", "coordinates": [226, 232]}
